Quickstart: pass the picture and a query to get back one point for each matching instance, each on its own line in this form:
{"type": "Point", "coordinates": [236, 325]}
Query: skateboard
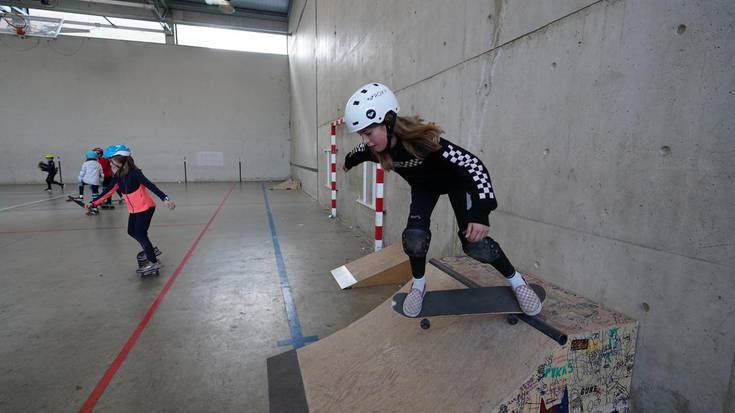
{"type": "Point", "coordinates": [71, 198]}
{"type": "Point", "coordinates": [107, 206]}
{"type": "Point", "coordinates": [468, 301]}
{"type": "Point", "coordinates": [143, 261]}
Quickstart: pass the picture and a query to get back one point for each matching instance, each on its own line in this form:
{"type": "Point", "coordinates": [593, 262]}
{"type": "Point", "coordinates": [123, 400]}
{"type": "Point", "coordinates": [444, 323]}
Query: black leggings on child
{"type": "Point", "coordinates": [423, 202]}
{"type": "Point", "coordinates": [138, 224]}
{"type": "Point", "coordinates": [50, 180]}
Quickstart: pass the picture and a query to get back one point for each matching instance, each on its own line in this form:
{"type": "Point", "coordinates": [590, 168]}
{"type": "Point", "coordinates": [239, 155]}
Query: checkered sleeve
{"type": "Point", "coordinates": [474, 174]}
{"type": "Point", "coordinates": [358, 155]}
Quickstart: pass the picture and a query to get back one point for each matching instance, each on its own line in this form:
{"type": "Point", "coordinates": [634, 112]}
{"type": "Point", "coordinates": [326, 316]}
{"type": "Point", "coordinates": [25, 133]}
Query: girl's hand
{"type": "Point", "coordinates": [475, 232]}
{"type": "Point", "coordinates": [170, 204]}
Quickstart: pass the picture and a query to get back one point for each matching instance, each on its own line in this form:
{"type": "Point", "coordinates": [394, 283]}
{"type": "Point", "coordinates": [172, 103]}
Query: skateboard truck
{"type": "Point", "coordinates": [533, 321]}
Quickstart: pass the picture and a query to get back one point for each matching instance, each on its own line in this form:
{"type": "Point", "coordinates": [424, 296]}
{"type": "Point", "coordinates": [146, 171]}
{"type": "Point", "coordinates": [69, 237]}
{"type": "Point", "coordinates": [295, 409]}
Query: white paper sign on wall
{"type": "Point", "coordinates": [210, 159]}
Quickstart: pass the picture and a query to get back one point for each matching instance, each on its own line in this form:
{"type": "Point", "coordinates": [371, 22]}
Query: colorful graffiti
{"type": "Point", "coordinates": [592, 372]}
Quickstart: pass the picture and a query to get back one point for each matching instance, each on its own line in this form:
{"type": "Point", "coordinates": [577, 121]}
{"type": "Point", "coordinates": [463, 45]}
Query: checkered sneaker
{"type": "Point", "coordinates": [414, 301]}
{"type": "Point", "coordinates": [527, 299]}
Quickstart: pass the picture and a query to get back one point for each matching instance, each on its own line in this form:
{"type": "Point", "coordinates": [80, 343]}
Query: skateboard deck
{"type": "Point", "coordinates": [71, 198]}
{"type": "Point", "coordinates": [466, 301]}
{"type": "Point", "coordinates": [79, 202]}
{"type": "Point", "coordinates": [75, 200]}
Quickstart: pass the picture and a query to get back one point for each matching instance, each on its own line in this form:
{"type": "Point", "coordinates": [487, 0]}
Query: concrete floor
{"type": "Point", "coordinates": [70, 298]}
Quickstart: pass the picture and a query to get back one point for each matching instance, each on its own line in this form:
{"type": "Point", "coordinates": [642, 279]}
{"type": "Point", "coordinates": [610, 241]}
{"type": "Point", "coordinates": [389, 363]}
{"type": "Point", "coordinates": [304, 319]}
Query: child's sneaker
{"type": "Point", "coordinates": [527, 299]}
{"type": "Point", "coordinates": [47, 189]}
{"type": "Point", "coordinates": [414, 301]}
{"type": "Point", "coordinates": [150, 267]}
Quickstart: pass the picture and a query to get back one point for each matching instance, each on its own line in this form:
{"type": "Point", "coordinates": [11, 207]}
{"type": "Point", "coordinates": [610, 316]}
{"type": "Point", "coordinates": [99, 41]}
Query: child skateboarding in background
{"type": "Point", "coordinates": [50, 168]}
{"type": "Point", "coordinates": [432, 166]}
{"type": "Point", "coordinates": [90, 175]}
{"type": "Point", "coordinates": [106, 177]}
{"type": "Point", "coordinates": [129, 179]}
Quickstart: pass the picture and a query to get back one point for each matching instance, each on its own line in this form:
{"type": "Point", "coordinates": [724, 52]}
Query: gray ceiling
{"type": "Point", "coordinates": [274, 8]}
{"type": "Point", "coordinates": [258, 15]}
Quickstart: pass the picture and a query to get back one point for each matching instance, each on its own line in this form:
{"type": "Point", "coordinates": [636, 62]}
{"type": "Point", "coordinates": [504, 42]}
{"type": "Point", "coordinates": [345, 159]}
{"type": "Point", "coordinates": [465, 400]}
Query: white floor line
{"type": "Point", "coordinates": [34, 202]}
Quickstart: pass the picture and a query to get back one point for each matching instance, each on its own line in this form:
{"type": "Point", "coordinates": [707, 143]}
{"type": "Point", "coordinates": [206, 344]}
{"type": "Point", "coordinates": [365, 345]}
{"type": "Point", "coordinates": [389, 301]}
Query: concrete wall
{"type": "Point", "coordinates": [302, 67]}
{"type": "Point", "coordinates": [608, 128]}
{"type": "Point", "coordinates": [166, 102]}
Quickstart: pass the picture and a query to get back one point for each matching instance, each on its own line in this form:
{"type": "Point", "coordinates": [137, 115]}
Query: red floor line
{"type": "Point", "coordinates": [110, 373]}
{"type": "Point", "coordinates": [42, 231]}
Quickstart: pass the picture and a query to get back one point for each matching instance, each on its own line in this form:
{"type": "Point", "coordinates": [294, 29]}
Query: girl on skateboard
{"type": "Point", "coordinates": [106, 175]}
{"type": "Point", "coordinates": [132, 183]}
{"type": "Point", "coordinates": [432, 166]}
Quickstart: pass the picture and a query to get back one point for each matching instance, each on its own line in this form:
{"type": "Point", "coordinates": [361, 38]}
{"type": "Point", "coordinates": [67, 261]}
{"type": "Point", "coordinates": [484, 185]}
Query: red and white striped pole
{"type": "Point", "coordinates": [379, 207]}
{"type": "Point", "coordinates": [333, 164]}
{"type": "Point", "coordinates": [333, 161]}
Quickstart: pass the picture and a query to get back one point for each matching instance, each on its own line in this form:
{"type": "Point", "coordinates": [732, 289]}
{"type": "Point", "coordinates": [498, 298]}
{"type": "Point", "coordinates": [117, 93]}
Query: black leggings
{"type": "Point", "coordinates": [50, 180]}
{"type": "Point", "coordinates": [138, 225]}
{"type": "Point", "coordinates": [95, 190]}
{"type": "Point", "coordinates": [422, 205]}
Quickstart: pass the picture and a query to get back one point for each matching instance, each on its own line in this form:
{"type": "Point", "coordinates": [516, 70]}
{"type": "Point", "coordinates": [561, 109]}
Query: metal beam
{"type": "Point", "coordinates": [239, 12]}
{"type": "Point", "coordinates": [175, 12]}
{"type": "Point", "coordinates": [228, 21]}
{"type": "Point", "coordinates": [111, 8]}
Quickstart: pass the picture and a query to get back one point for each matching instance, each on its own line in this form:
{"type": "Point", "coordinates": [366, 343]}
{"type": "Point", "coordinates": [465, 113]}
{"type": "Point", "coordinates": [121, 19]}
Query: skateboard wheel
{"type": "Point", "coordinates": [512, 320]}
{"type": "Point", "coordinates": [425, 324]}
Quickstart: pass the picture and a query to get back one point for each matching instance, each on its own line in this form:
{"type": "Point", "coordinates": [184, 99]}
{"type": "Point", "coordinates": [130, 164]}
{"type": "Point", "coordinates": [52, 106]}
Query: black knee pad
{"type": "Point", "coordinates": [486, 250]}
{"type": "Point", "coordinates": [416, 241]}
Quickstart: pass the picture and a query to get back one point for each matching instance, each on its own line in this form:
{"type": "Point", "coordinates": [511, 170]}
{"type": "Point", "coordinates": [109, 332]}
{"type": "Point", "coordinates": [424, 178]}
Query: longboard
{"type": "Point", "coordinates": [466, 301]}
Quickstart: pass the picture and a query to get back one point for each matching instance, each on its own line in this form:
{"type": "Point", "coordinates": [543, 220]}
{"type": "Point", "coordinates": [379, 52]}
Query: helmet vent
{"type": "Point", "coordinates": [355, 103]}
{"type": "Point", "coordinates": [363, 91]}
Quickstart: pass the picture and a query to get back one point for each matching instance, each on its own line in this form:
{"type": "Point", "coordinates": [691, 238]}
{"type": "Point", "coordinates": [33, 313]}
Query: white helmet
{"type": "Point", "coordinates": [369, 105]}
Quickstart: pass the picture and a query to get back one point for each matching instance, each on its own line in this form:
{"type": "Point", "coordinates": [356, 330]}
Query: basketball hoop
{"type": "Point", "coordinates": [17, 21]}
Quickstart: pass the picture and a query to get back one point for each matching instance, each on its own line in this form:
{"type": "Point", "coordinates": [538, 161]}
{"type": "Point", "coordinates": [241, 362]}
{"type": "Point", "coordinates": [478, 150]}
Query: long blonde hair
{"type": "Point", "coordinates": [417, 136]}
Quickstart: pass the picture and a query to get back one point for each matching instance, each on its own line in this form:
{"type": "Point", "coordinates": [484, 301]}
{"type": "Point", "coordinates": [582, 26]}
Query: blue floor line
{"type": "Point", "coordinates": [297, 338]}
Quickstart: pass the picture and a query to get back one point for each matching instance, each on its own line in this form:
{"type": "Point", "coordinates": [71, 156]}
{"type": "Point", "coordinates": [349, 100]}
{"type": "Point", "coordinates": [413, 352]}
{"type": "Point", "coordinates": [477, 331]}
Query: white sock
{"type": "Point", "coordinates": [516, 280]}
{"type": "Point", "coordinates": [419, 283]}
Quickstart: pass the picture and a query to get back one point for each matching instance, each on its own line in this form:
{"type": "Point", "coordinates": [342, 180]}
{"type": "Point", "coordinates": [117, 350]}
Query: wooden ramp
{"type": "Point", "coordinates": [384, 362]}
{"type": "Point", "coordinates": [387, 266]}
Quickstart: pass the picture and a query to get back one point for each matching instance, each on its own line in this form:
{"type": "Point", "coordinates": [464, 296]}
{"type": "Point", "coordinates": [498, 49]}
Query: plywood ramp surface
{"type": "Point", "coordinates": [384, 362]}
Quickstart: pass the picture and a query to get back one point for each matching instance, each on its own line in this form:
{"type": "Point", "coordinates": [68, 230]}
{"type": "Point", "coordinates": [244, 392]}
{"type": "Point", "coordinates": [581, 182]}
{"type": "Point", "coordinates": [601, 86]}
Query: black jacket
{"type": "Point", "coordinates": [442, 171]}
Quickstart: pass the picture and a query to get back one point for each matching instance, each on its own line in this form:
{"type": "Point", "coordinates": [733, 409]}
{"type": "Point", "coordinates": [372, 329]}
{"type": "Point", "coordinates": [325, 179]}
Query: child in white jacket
{"type": "Point", "coordinates": [90, 175]}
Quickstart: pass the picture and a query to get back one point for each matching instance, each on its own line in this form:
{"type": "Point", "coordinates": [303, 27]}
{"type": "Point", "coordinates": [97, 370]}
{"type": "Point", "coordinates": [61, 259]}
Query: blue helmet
{"type": "Point", "coordinates": [90, 154]}
{"type": "Point", "coordinates": [117, 150]}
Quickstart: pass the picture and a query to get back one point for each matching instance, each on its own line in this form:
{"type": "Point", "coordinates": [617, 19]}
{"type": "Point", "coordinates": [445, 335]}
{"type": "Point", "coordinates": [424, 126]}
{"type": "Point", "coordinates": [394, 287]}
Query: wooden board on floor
{"type": "Point", "coordinates": [387, 266]}
{"type": "Point", "coordinates": [288, 184]}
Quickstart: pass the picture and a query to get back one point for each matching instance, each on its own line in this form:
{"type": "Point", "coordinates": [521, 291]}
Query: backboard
{"type": "Point", "coordinates": [17, 24]}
